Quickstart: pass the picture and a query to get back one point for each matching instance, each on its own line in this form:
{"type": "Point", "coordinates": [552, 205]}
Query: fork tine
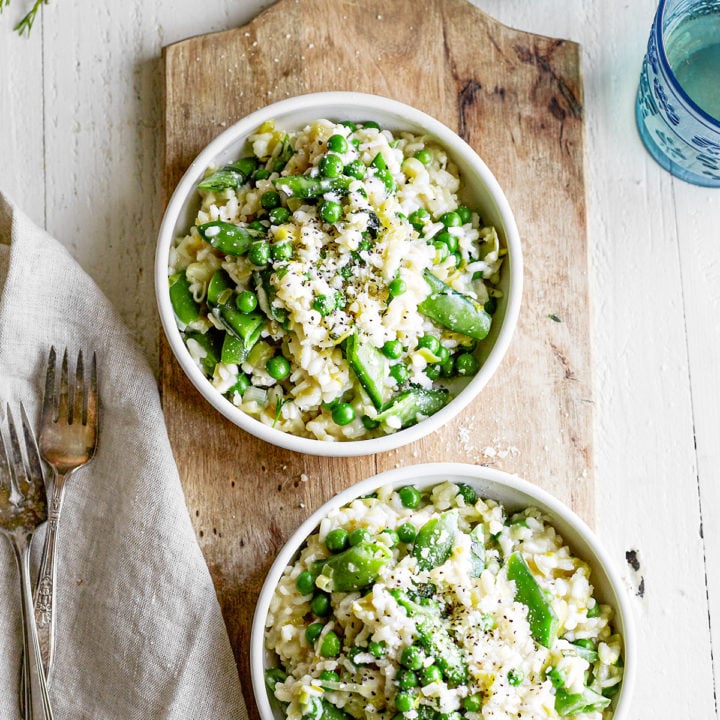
{"type": "Point", "coordinates": [15, 459]}
{"type": "Point", "coordinates": [91, 417]}
{"type": "Point", "coordinates": [31, 450]}
{"type": "Point", "coordinates": [63, 404]}
{"type": "Point", "coordinates": [49, 407]}
{"type": "Point", "coordinates": [4, 464]}
{"type": "Point", "coordinates": [77, 413]}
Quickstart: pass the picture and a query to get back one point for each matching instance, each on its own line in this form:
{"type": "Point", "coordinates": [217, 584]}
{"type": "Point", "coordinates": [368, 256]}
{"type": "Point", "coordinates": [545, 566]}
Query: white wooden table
{"type": "Point", "coordinates": [80, 151]}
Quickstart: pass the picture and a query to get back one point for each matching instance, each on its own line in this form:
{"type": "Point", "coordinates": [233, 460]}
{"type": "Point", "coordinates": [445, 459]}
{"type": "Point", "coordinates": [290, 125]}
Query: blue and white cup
{"type": "Point", "coordinates": [678, 101]}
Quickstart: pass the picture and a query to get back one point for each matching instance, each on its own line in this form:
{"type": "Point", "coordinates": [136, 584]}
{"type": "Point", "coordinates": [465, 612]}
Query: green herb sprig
{"type": "Point", "coordinates": [25, 25]}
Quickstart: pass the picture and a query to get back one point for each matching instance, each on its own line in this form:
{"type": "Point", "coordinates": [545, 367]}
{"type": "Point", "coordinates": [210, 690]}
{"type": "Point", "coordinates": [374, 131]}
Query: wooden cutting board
{"type": "Point", "coordinates": [514, 97]}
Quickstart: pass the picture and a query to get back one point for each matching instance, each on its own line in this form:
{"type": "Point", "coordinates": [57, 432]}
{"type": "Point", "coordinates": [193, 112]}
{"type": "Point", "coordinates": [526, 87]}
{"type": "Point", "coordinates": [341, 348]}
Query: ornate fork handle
{"type": "Point", "coordinates": [37, 700]}
{"type": "Point", "coordinates": [45, 590]}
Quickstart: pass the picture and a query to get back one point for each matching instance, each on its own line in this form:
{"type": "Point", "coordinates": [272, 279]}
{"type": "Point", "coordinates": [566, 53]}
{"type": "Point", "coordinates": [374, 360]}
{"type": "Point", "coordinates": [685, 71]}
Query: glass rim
{"type": "Point", "coordinates": [658, 27]}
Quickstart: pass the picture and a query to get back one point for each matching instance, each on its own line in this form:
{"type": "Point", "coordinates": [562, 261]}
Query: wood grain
{"type": "Point", "coordinates": [517, 99]}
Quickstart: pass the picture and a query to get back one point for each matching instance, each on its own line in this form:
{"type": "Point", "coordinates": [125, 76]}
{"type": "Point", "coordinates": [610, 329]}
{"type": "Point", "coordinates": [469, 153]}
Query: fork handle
{"type": "Point", "coordinates": [37, 699]}
{"type": "Point", "coordinates": [45, 590]}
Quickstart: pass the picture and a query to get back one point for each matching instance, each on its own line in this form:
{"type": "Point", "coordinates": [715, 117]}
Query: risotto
{"type": "Point", "coordinates": [439, 605]}
{"type": "Point", "coordinates": [334, 285]}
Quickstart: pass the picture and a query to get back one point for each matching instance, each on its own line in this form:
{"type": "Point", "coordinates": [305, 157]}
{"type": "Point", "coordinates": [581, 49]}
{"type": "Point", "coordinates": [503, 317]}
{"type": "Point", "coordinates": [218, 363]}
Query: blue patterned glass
{"type": "Point", "coordinates": [677, 103]}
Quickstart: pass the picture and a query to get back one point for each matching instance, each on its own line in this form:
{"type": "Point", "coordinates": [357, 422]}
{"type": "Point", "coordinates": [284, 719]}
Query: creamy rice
{"type": "Point", "coordinates": [362, 259]}
{"type": "Point", "coordinates": [455, 594]}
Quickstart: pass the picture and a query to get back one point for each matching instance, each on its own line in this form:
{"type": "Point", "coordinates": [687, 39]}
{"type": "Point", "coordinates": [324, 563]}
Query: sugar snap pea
{"type": "Point", "coordinates": [453, 310]}
{"type": "Point", "coordinates": [411, 406]}
{"type": "Point", "coordinates": [588, 700]}
{"type": "Point", "coordinates": [306, 187]}
{"type": "Point", "coordinates": [370, 367]}
{"type": "Point", "coordinates": [246, 328]}
{"type": "Point", "coordinates": [210, 343]}
{"type": "Point", "coordinates": [542, 618]}
{"type": "Point", "coordinates": [230, 176]}
{"type": "Point", "coordinates": [230, 239]}
{"type": "Point", "coordinates": [357, 567]}
{"type": "Point", "coordinates": [184, 305]}
{"type": "Point", "coordinates": [219, 288]}
{"type": "Point", "coordinates": [435, 540]}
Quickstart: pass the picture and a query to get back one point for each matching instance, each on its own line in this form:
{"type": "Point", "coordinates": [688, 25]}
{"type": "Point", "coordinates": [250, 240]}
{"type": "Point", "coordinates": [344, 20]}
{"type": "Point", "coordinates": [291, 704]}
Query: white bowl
{"type": "Point", "coordinates": [514, 494]}
{"type": "Point", "coordinates": [482, 191]}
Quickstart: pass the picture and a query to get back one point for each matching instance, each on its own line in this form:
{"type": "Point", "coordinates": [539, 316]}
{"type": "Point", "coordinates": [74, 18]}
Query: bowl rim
{"type": "Point", "coordinates": [456, 147]}
{"type": "Point", "coordinates": [424, 475]}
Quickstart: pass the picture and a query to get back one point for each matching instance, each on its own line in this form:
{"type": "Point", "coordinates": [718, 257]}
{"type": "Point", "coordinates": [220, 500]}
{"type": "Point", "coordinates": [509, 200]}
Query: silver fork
{"type": "Point", "coordinates": [68, 439]}
{"type": "Point", "coordinates": [23, 507]}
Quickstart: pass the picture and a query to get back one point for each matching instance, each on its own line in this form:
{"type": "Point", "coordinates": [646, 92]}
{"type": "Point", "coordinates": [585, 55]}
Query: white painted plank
{"type": "Point", "coordinates": [21, 115]}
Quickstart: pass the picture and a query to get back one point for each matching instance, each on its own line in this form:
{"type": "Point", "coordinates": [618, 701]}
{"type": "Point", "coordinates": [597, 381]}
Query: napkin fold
{"type": "Point", "coordinates": [139, 633]}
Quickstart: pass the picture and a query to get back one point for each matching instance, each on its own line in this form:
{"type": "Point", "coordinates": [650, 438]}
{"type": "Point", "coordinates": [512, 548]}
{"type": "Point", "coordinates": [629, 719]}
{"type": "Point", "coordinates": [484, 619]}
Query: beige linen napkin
{"type": "Point", "coordinates": [139, 635]}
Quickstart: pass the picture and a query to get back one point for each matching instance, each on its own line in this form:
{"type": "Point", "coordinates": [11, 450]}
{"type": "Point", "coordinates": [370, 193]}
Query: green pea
{"type": "Point", "coordinates": [392, 349]}
{"type": "Point", "coordinates": [473, 703]}
{"type": "Point", "coordinates": [331, 211]}
{"type": "Point", "coordinates": [389, 537]}
{"type": "Point", "coordinates": [407, 679]}
{"type": "Point", "coordinates": [464, 213]}
{"type": "Point", "coordinates": [377, 649]}
{"type": "Point", "coordinates": [397, 287]}
{"type": "Point", "coordinates": [241, 384]}
{"type": "Point", "coordinates": [305, 582]}
{"type": "Point", "coordinates": [447, 367]}
{"type": "Point", "coordinates": [246, 301]}
{"type": "Point", "coordinates": [409, 496]}
{"type": "Point", "coordinates": [433, 371]}
{"type": "Point", "coordinates": [261, 174]}
{"type": "Point", "coordinates": [355, 169]}
{"type": "Point", "coordinates": [270, 199]}
{"type": "Point", "coordinates": [331, 166]}
{"type": "Point", "coordinates": [407, 532]}
{"type": "Point", "coordinates": [468, 494]}
{"type": "Point", "coordinates": [336, 540]}
{"type": "Point", "coordinates": [430, 674]}
{"type": "Point", "coordinates": [450, 219]}
{"type": "Point", "coordinates": [329, 676]}
{"type": "Point", "coordinates": [279, 215]}
{"type": "Point", "coordinates": [490, 306]}
{"type": "Point", "coordinates": [349, 124]}
{"type": "Point", "coordinates": [259, 253]}
{"type": "Point", "coordinates": [594, 611]}
{"type": "Point", "coordinates": [448, 239]}
{"type": "Point", "coordinates": [324, 304]}
{"type": "Point", "coordinates": [418, 218]}
{"type": "Point", "coordinates": [343, 414]}
{"type": "Point", "coordinates": [281, 251]}
{"type": "Point", "coordinates": [430, 342]}
{"type": "Point", "coordinates": [273, 676]}
{"type": "Point", "coordinates": [320, 604]}
{"type": "Point", "coordinates": [330, 645]}
{"type": "Point", "coordinates": [258, 225]}
{"type": "Point", "coordinates": [399, 373]}
{"type": "Point", "coordinates": [424, 155]}
{"type": "Point", "coordinates": [466, 364]}
{"type": "Point", "coordinates": [405, 701]}
{"type": "Point", "coordinates": [412, 657]}
{"type": "Point", "coordinates": [312, 632]}
{"type": "Point", "coordinates": [337, 143]}
{"type": "Point", "coordinates": [441, 251]}
{"type": "Point", "coordinates": [278, 367]}
{"type": "Point", "coordinates": [359, 535]}
{"type": "Point", "coordinates": [515, 676]}
{"type": "Point", "coordinates": [370, 124]}
{"type": "Point", "coordinates": [442, 354]}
